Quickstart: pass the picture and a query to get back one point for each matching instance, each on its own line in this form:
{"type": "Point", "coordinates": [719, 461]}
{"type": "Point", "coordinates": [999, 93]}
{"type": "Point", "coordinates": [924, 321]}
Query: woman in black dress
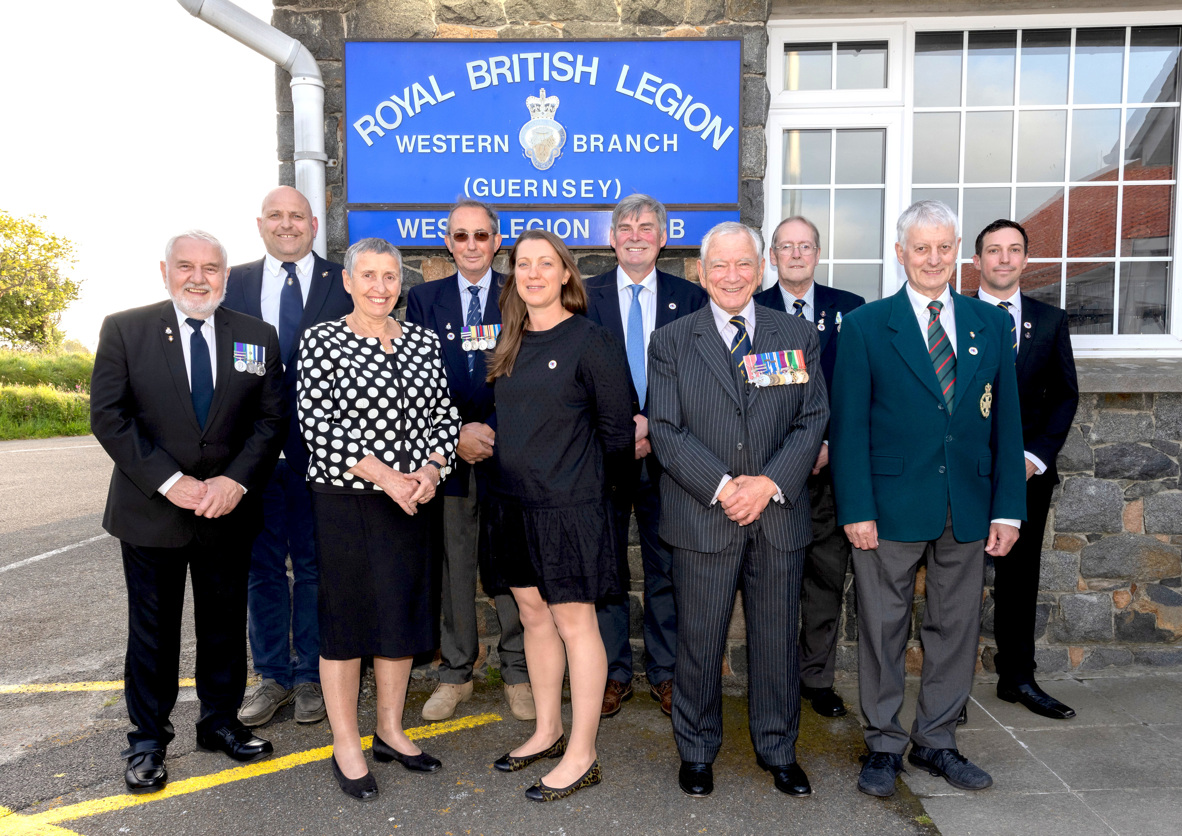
{"type": "Point", "coordinates": [565, 428]}
{"type": "Point", "coordinates": [381, 430]}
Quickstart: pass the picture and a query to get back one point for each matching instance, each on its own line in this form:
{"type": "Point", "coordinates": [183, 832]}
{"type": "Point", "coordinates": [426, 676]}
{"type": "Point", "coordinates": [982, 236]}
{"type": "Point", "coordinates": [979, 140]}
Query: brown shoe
{"type": "Point", "coordinates": [614, 696]}
{"type": "Point", "coordinates": [663, 693]}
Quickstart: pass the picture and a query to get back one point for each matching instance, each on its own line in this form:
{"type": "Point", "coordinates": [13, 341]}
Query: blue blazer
{"type": "Point", "coordinates": [437, 305]}
{"type": "Point", "coordinates": [326, 300]}
{"type": "Point", "coordinates": [899, 455]}
{"type": "Point", "coordinates": [828, 302]}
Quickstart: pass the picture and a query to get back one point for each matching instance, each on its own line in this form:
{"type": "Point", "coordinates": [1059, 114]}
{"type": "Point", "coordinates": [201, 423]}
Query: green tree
{"type": "Point", "coordinates": [34, 289]}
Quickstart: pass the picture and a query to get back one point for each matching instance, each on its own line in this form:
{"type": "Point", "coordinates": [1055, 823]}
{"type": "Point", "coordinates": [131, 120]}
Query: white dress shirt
{"type": "Point", "coordinates": [809, 308]}
{"type": "Point", "coordinates": [466, 296]}
{"type": "Point", "coordinates": [185, 334]}
{"type": "Point", "coordinates": [273, 278]}
{"type": "Point", "coordinates": [648, 305]}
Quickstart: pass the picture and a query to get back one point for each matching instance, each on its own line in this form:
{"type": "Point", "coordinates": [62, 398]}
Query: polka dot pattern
{"type": "Point", "coordinates": [354, 400]}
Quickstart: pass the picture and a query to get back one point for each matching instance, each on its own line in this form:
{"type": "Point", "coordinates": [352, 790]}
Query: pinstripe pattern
{"type": "Point", "coordinates": [940, 350]}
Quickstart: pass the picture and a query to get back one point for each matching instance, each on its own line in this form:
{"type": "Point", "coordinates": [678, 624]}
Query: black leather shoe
{"type": "Point", "coordinates": [879, 771]}
{"type": "Point", "coordinates": [364, 788]}
{"type": "Point", "coordinates": [963, 717]}
{"type": "Point", "coordinates": [791, 779]}
{"type": "Point", "coordinates": [145, 772]}
{"type": "Point", "coordinates": [696, 779]}
{"type": "Point", "coordinates": [422, 762]}
{"type": "Point", "coordinates": [239, 743]}
{"type": "Point", "coordinates": [512, 763]}
{"type": "Point", "coordinates": [1034, 698]}
{"type": "Point", "coordinates": [824, 701]}
{"type": "Point", "coordinates": [952, 766]}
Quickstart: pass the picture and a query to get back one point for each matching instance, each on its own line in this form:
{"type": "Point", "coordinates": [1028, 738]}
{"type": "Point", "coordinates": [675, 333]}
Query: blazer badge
{"type": "Point", "coordinates": [987, 400]}
{"type": "Point", "coordinates": [776, 368]}
{"type": "Point", "coordinates": [250, 359]}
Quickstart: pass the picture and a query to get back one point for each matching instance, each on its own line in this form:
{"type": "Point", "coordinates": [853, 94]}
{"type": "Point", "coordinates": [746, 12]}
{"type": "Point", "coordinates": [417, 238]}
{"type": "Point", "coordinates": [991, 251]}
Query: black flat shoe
{"type": "Point", "coordinates": [145, 772]}
{"type": "Point", "coordinates": [512, 763]}
{"type": "Point", "coordinates": [824, 701]}
{"type": "Point", "coordinates": [696, 779]}
{"type": "Point", "coordinates": [541, 792]}
{"type": "Point", "coordinates": [791, 779]}
{"type": "Point", "coordinates": [1035, 699]}
{"type": "Point", "coordinates": [364, 788]}
{"type": "Point", "coordinates": [239, 743]}
{"type": "Point", "coordinates": [422, 762]}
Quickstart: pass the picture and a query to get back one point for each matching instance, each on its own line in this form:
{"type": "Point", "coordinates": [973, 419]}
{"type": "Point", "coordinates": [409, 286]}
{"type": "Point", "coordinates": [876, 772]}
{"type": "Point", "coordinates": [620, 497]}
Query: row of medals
{"type": "Point", "coordinates": [252, 367]}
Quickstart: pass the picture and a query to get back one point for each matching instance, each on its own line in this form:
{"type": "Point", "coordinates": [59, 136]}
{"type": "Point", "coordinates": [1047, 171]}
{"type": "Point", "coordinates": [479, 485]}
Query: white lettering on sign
{"type": "Point", "coordinates": [564, 228]}
{"type": "Point", "coordinates": [426, 227]}
{"type": "Point", "coordinates": [632, 143]}
{"type": "Point", "coordinates": [514, 187]}
{"type": "Point", "coordinates": [452, 143]}
{"type": "Point", "coordinates": [668, 98]}
{"type": "Point", "coordinates": [525, 66]}
{"type": "Point", "coordinates": [387, 114]}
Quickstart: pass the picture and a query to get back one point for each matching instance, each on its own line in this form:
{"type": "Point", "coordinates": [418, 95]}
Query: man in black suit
{"type": "Point", "coordinates": [734, 502]}
{"type": "Point", "coordinates": [293, 289]}
{"type": "Point", "coordinates": [1048, 395]}
{"type": "Point", "coordinates": [631, 301]}
{"type": "Point", "coordinates": [468, 299]}
{"type": "Point", "coordinates": [796, 248]}
{"type": "Point", "coordinates": [187, 400]}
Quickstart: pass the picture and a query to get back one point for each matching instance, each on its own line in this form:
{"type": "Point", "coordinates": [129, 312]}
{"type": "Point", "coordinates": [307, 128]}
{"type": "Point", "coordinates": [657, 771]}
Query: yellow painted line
{"type": "Point", "coordinates": [61, 687]}
{"type": "Point", "coordinates": [204, 782]}
{"type": "Point", "coordinates": [13, 825]}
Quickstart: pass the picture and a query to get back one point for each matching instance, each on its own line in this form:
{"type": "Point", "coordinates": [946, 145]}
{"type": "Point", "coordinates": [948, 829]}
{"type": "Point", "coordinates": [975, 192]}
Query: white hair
{"type": "Point", "coordinates": [926, 213]}
{"type": "Point", "coordinates": [196, 235]}
{"type": "Point", "coordinates": [731, 228]}
{"type": "Point", "coordinates": [377, 246]}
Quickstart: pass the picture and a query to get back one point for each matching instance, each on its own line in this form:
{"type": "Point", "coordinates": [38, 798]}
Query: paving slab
{"type": "Point", "coordinates": [1141, 812]}
{"type": "Point", "coordinates": [986, 814]}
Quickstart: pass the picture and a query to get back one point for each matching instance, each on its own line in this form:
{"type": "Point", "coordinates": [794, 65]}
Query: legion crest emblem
{"type": "Point", "coordinates": [542, 137]}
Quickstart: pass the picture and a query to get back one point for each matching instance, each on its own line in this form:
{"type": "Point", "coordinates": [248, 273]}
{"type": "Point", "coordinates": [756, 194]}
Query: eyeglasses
{"type": "Point", "coordinates": [805, 250]}
{"type": "Point", "coordinates": [480, 235]}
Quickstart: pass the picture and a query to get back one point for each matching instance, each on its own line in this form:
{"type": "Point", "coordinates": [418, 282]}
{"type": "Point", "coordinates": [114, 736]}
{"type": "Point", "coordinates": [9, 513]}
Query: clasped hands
{"type": "Point", "coordinates": [743, 498]}
{"type": "Point", "coordinates": [214, 497]}
{"type": "Point", "coordinates": [410, 490]}
{"type": "Point", "coordinates": [476, 442]}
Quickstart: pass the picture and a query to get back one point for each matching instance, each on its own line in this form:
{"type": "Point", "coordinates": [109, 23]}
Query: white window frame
{"type": "Point", "coordinates": [808, 108]}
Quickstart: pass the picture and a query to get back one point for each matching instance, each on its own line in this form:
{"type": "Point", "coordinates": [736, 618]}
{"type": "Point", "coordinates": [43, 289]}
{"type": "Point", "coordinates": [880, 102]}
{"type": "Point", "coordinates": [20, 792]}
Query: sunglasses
{"type": "Point", "coordinates": [461, 237]}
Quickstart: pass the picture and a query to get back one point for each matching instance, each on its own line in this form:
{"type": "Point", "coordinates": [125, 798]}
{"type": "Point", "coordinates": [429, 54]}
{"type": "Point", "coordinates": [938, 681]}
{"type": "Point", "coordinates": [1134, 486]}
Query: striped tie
{"type": "Point", "coordinates": [1005, 306]}
{"type": "Point", "coordinates": [940, 350]}
{"type": "Point", "coordinates": [740, 344]}
{"type": "Point", "coordinates": [798, 308]}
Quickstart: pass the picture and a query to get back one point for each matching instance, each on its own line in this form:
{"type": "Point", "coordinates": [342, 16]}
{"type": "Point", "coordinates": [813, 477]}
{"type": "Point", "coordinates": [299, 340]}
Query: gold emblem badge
{"type": "Point", "coordinates": [987, 400]}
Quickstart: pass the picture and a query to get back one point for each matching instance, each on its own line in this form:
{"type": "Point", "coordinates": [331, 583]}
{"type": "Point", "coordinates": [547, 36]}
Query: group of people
{"type": "Point", "coordinates": [510, 427]}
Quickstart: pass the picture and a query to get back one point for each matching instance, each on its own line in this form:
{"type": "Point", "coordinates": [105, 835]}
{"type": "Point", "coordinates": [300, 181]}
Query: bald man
{"type": "Point", "coordinates": [293, 289]}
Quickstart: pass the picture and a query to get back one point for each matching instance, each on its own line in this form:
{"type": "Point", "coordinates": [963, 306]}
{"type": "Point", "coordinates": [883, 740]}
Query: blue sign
{"type": "Point", "coordinates": [416, 228]}
{"type": "Point", "coordinates": [542, 123]}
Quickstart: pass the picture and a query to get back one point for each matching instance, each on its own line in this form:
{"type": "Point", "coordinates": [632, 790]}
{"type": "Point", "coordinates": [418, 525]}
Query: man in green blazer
{"type": "Point", "coordinates": [926, 455]}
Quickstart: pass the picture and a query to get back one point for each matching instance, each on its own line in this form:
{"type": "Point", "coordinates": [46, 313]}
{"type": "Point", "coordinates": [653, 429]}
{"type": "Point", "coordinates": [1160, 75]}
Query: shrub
{"type": "Point", "coordinates": [69, 372]}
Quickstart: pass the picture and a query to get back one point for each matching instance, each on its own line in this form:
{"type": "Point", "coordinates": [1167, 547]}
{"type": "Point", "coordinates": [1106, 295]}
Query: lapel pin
{"type": "Point", "coordinates": [450, 335]}
{"type": "Point", "coordinates": [1027, 335]}
{"type": "Point", "coordinates": [972, 349]}
{"type": "Point", "coordinates": [170, 337]}
{"type": "Point", "coordinates": [672, 306]}
{"type": "Point", "coordinates": [448, 326]}
{"type": "Point", "coordinates": [324, 275]}
{"type": "Point", "coordinates": [838, 321]}
{"type": "Point", "coordinates": [553, 364]}
{"type": "Point", "coordinates": [1027, 325]}
{"type": "Point", "coordinates": [972, 335]}
{"type": "Point", "coordinates": [821, 325]}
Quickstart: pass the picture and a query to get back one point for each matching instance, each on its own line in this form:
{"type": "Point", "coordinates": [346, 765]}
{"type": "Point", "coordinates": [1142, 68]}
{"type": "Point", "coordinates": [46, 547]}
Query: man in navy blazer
{"type": "Point", "coordinates": [449, 306]}
{"type": "Point", "coordinates": [927, 459]}
{"type": "Point", "coordinates": [795, 251]}
{"type": "Point", "coordinates": [632, 301]}
{"type": "Point", "coordinates": [293, 289]}
{"type": "Point", "coordinates": [1049, 394]}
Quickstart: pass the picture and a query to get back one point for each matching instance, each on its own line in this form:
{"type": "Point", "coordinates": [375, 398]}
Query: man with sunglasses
{"type": "Point", "coordinates": [449, 306]}
{"type": "Point", "coordinates": [795, 252]}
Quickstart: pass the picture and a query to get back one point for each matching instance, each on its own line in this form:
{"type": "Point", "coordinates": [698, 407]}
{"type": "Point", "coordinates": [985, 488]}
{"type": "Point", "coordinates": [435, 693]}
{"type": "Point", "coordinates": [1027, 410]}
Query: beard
{"type": "Point", "coordinates": [200, 310]}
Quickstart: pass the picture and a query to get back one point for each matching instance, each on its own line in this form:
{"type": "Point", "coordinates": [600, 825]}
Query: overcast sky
{"type": "Point", "coordinates": [126, 122]}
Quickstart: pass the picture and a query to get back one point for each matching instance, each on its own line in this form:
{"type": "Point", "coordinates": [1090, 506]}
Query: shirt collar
{"type": "Point", "coordinates": [181, 316]}
{"type": "Point", "coordinates": [919, 302]}
{"type": "Point", "coordinates": [623, 280]}
{"type": "Point", "coordinates": [484, 283]}
{"type": "Point", "coordinates": [722, 319]}
{"type": "Point", "coordinates": [808, 297]}
{"type": "Point", "coordinates": [1015, 300]}
{"type": "Point", "coordinates": [303, 267]}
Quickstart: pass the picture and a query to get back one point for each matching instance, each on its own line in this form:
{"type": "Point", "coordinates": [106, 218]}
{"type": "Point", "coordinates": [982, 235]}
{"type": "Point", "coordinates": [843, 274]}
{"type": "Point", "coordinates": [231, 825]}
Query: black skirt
{"type": "Point", "coordinates": [375, 576]}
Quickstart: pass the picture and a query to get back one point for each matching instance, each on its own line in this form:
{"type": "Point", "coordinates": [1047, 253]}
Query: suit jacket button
{"type": "Point", "coordinates": [940, 407]}
{"type": "Point", "coordinates": [740, 446]}
{"type": "Point", "coordinates": [942, 468]}
{"type": "Point", "coordinates": [204, 444]}
{"type": "Point", "coordinates": [947, 438]}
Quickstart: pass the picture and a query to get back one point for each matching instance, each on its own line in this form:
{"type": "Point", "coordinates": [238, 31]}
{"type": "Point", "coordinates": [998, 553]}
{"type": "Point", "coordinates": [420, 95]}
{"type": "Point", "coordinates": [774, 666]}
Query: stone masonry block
{"type": "Point", "coordinates": [1085, 617]}
{"type": "Point", "coordinates": [1124, 400]}
{"type": "Point", "coordinates": [1052, 659]}
{"type": "Point", "coordinates": [1133, 461]}
{"type": "Point", "coordinates": [1158, 657]}
{"type": "Point", "coordinates": [1076, 455]}
{"type": "Point", "coordinates": [1089, 505]}
{"type": "Point", "coordinates": [1163, 513]}
{"type": "Point", "coordinates": [470, 12]}
{"type": "Point", "coordinates": [755, 42]}
{"type": "Point", "coordinates": [1113, 426]}
{"type": "Point", "coordinates": [751, 203]}
{"type": "Point", "coordinates": [756, 99]}
{"type": "Point", "coordinates": [320, 32]}
{"type": "Point", "coordinates": [603, 11]}
{"type": "Point", "coordinates": [654, 12]}
{"type": "Point", "coordinates": [383, 19]}
{"type": "Point", "coordinates": [1138, 627]}
{"type": "Point", "coordinates": [1106, 657]}
{"type": "Point", "coordinates": [1167, 414]}
{"type": "Point", "coordinates": [705, 11]}
{"type": "Point", "coordinates": [1058, 571]}
{"type": "Point", "coordinates": [753, 153]}
{"type": "Point", "coordinates": [747, 10]}
{"type": "Point", "coordinates": [1129, 556]}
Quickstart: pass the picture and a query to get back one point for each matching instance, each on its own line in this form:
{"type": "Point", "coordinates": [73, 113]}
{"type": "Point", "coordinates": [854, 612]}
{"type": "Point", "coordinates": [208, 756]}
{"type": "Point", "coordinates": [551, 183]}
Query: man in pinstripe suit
{"type": "Point", "coordinates": [734, 504]}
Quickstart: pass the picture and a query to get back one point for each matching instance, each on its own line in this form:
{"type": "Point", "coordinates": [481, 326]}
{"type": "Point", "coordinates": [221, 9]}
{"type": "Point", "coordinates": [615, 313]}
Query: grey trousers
{"type": "Point", "coordinates": [885, 580]}
{"type": "Point", "coordinates": [822, 587]}
{"type": "Point", "coordinates": [459, 638]}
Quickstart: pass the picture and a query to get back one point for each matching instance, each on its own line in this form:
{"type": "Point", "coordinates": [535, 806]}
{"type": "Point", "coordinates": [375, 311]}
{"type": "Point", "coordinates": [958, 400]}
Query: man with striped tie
{"type": "Point", "coordinates": [926, 454]}
{"type": "Point", "coordinates": [735, 503]}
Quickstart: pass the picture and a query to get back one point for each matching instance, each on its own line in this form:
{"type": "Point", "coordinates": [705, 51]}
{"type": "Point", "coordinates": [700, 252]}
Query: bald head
{"type": "Point", "coordinates": [286, 224]}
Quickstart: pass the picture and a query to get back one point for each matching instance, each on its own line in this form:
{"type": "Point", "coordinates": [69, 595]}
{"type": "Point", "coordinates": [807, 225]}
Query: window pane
{"type": "Point", "coordinates": [860, 157]}
{"type": "Point", "coordinates": [857, 223]}
{"type": "Point", "coordinates": [808, 66]}
{"type": "Point", "coordinates": [862, 279]}
{"type": "Point", "coordinates": [981, 207]}
{"type": "Point", "coordinates": [812, 204]}
{"type": "Point", "coordinates": [806, 157]}
{"type": "Point", "coordinates": [1044, 66]}
{"type": "Point", "coordinates": [937, 68]}
{"type": "Point", "coordinates": [1151, 136]}
{"type": "Point", "coordinates": [1144, 290]}
{"type": "Point", "coordinates": [988, 148]}
{"type": "Point", "coordinates": [1042, 145]}
{"type": "Point", "coordinates": [1040, 211]}
{"type": "Point", "coordinates": [1099, 65]}
{"type": "Point", "coordinates": [862, 66]}
{"type": "Point", "coordinates": [1091, 217]}
{"type": "Point", "coordinates": [991, 68]}
{"type": "Point", "coordinates": [945, 196]}
{"type": "Point", "coordinates": [1043, 281]}
{"type": "Point", "coordinates": [1089, 298]}
{"type": "Point", "coordinates": [1153, 64]}
{"type": "Point", "coordinates": [1095, 135]}
{"type": "Point", "coordinates": [1145, 220]}
{"type": "Point", "coordinates": [936, 155]}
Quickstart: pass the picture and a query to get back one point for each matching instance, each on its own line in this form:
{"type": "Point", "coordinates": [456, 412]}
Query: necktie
{"type": "Point", "coordinates": [1005, 306]}
{"type": "Point", "coordinates": [200, 372]}
{"type": "Point", "coordinates": [473, 318]}
{"type": "Point", "coordinates": [740, 344]}
{"type": "Point", "coordinates": [635, 344]}
{"type": "Point", "coordinates": [291, 309]}
{"type": "Point", "coordinates": [798, 308]}
{"type": "Point", "coordinates": [940, 350]}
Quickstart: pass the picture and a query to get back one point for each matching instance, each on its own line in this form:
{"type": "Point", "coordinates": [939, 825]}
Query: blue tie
{"type": "Point", "coordinates": [291, 310]}
{"type": "Point", "coordinates": [200, 372]}
{"type": "Point", "coordinates": [473, 319]}
{"type": "Point", "coordinates": [740, 344]}
{"type": "Point", "coordinates": [1005, 306]}
{"type": "Point", "coordinates": [635, 344]}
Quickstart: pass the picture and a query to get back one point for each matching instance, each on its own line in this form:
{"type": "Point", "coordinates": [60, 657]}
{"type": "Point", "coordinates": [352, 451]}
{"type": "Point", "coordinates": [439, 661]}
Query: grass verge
{"type": "Point", "coordinates": [69, 372]}
{"type": "Point", "coordinates": [42, 412]}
